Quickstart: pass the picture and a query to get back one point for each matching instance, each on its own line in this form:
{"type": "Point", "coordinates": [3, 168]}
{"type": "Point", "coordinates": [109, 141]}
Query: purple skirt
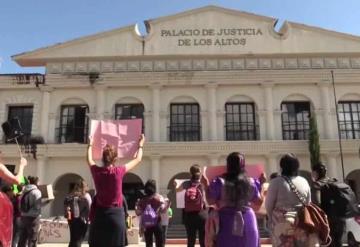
{"type": "Point", "coordinates": [250, 236]}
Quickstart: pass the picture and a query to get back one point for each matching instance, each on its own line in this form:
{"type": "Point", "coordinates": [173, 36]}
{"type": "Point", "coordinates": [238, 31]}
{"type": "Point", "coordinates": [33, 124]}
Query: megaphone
{"type": "Point", "coordinates": [12, 130]}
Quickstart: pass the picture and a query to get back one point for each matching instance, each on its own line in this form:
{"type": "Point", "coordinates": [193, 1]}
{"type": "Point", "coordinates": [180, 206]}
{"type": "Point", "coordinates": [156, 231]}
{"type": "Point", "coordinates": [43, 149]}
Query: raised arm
{"type": "Point", "coordinates": [90, 160]}
{"type": "Point", "coordinates": [11, 178]}
{"type": "Point", "coordinates": [132, 163]}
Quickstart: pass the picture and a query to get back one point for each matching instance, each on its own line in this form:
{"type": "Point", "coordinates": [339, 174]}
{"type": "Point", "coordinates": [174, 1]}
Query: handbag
{"type": "Point", "coordinates": [311, 218]}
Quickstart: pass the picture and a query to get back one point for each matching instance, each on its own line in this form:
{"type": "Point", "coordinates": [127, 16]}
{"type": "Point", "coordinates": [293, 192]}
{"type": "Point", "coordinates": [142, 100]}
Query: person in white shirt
{"type": "Point", "coordinates": [165, 218]}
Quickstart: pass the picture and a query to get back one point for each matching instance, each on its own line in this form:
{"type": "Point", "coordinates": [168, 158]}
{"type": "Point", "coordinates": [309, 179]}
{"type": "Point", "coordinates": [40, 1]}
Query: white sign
{"type": "Point", "coordinates": [54, 231]}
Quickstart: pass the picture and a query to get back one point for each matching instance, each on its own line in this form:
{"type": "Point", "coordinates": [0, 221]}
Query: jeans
{"type": "Point", "coordinates": [78, 230]}
{"type": "Point", "coordinates": [164, 234]}
{"type": "Point", "coordinates": [194, 222]}
{"type": "Point", "coordinates": [154, 231]}
{"type": "Point", "coordinates": [29, 231]}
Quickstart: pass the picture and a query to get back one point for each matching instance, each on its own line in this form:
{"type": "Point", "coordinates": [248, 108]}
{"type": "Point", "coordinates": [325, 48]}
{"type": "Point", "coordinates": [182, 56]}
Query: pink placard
{"type": "Point", "coordinates": [253, 171]}
{"type": "Point", "coordinates": [123, 134]}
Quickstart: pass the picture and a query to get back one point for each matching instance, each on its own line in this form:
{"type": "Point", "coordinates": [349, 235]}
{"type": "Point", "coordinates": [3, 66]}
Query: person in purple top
{"type": "Point", "coordinates": [232, 194]}
{"type": "Point", "coordinates": [108, 219]}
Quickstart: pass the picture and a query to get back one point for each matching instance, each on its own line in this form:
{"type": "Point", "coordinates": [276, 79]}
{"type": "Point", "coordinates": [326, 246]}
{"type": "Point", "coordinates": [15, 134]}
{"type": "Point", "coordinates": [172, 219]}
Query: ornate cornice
{"type": "Point", "coordinates": [206, 64]}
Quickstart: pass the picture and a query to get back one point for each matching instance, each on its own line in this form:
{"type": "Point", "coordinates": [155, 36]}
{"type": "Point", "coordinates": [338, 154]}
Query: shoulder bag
{"type": "Point", "coordinates": [311, 218]}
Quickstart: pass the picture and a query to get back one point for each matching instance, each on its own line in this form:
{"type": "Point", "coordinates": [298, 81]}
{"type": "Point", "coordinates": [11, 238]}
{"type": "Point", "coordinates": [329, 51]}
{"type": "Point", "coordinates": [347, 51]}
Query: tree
{"type": "Point", "coordinates": [314, 143]}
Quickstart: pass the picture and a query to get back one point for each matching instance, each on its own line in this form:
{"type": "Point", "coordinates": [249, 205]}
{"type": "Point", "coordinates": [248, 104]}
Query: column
{"type": "Point", "coordinates": [332, 165]}
{"type": "Point", "coordinates": [213, 159]}
{"type": "Point", "coordinates": [327, 119]}
{"type": "Point", "coordinates": [272, 164]}
{"type": "Point", "coordinates": [40, 168]}
{"type": "Point", "coordinates": [52, 127]}
{"type": "Point", "coordinates": [156, 112]}
{"type": "Point", "coordinates": [45, 108]}
{"type": "Point", "coordinates": [100, 100]}
{"type": "Point", "coordinates": [268, 96]}
{"type": "Point", "coordinates": [155, 170]}
{"type": "Point", "coordinates": [212, 126]}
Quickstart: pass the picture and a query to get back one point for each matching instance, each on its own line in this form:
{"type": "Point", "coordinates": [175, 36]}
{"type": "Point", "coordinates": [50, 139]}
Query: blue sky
{"type": "Point", "coordinates": [28, 25]}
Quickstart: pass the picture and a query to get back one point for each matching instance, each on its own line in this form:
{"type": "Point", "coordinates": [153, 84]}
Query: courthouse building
{"type": "Point", "coordinates": [206, 82]}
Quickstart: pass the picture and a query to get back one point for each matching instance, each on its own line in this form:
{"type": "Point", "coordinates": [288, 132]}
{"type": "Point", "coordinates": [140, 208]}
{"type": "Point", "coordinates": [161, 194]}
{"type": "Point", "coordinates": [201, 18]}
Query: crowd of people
{"type": "Point", "coordinates": [222, 212]}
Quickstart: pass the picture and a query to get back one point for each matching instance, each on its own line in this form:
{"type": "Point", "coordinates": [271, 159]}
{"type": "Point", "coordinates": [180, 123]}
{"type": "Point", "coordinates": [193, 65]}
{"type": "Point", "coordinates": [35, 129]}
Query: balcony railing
{"type": "Point", "coordinates": [236, 132]}
{"type": "Point", "coordinates": [25, 78]}
{"type": "Point", "coordinates": [66, 134]}
{"type": "Point", "coordinates": [184, 132]}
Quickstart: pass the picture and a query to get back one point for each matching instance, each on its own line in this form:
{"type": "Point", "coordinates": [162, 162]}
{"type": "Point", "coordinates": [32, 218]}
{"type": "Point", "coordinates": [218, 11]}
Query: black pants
{"type": "Point", "coordinates": [108, 228]}
{"type": "Point", "coordinates": [78, 230]}
{"type": "Point", "coordinates": [154, 231]}
{"type": "Point", "coordinates": [16, 231]}
{"type": "Point", "coordinates": [164, 234]}
{"type": "Point", "coordinates": [195, 222]}
{"type": "Point", "coordinates": [29, 231]}
{"type": "Point", "coordinates": [337, 228]}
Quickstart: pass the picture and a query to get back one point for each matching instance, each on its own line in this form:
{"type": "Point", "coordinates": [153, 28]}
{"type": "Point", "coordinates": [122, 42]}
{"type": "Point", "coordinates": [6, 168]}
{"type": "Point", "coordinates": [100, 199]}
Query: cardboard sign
{"type": "Point", "coordinates": [54, 231]}
{"type": "Point", "coordinates": [180, 196]}
{"type": "Point", "coordinates": [46, 191]}
{"type": "Point", "coordinates": [122, 134]}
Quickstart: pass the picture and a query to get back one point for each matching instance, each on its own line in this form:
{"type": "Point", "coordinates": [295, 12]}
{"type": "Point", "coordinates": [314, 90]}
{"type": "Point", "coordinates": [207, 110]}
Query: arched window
{"type": "Point", "coordinates": [184, 122]}
{"type": "Point", "coordinates": [73, 124]}
{"type": "Point", "coordinates": [240, 121]}
{"type": "Point", "coordinates": [349, 119]}
{"type": "Point", "coordinates": [295, 120]}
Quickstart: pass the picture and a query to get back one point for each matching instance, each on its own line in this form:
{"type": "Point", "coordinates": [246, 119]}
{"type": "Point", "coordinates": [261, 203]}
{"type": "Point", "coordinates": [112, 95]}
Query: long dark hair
{"type": "Point", "coordinates": [237, 184]}
{"type": "Point", "coordinates": [195, 172]}
{"type": "Point", "coordinates": [80, 188]}
{"type": "Point", "coordinates": [289, 165]}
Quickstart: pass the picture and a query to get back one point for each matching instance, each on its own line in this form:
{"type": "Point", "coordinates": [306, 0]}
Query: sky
{"type": "Point", "coordinates": [26, 25]}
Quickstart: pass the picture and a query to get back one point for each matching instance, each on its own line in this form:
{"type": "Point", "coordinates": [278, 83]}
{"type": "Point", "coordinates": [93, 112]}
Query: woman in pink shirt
{"type": "Point", "coordinates": [108, 225]}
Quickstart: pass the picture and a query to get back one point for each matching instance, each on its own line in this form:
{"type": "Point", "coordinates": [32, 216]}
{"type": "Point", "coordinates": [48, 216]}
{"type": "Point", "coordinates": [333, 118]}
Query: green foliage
{"type": "Point", "coordinates": [314, 142]}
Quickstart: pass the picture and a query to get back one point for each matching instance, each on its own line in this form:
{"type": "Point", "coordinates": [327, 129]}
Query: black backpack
{"type": "Point", "coordinates": [338, 199]}
{"type": "Point", "coordinates": [72, 203]}
{"type": "Point", "coordinates": [25, 204]}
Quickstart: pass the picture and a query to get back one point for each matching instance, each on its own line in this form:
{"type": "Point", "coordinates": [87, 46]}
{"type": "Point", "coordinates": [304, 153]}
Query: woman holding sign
{"type": "Point", "coordinates": [108, 223]}
{"type": "Point", "coordinates": [232, 194]}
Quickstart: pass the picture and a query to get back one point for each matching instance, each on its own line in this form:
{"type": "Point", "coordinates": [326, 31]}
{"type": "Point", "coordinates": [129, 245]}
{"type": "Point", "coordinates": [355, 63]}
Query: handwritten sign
{"type": "Point", "coordinates": [54, 231]}
{"type": "Point", "coordinates": [211, 36]}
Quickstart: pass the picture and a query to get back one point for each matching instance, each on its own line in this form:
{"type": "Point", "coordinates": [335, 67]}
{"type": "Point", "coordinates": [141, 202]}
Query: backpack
{"type": "Point", "coordinates": [71, 207]}
{"type": "Point", "coordinates": [338, 199]}
{"type": "Point", "coordinates": [194, 200]}
{"type": "Point", "coordinates": [149, 217]}
{"type": "Point", "coordinates": [25, 203]}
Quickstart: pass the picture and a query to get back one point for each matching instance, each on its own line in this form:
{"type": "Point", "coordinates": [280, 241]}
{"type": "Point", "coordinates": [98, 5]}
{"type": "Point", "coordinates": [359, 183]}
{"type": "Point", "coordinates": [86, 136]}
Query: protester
{"type": "Point", "coordinates": [165, 219]}
{"type": "Point", "coordinates": [7, 176]}
{"type": "Point", "coordinates": [77, 207]}
{"type": "Point", "coordinates": [149, 208]}
{"type": "Point", "coordinates": [336, 199]}
{"type": "Point", "coordinates": [232, 194]}
{"type": "Point", "coordinates": [195, 209]}
{"type": "Point", "coordinates": [108, 223]}
{"type": "Point", "coordinates": [282, 205]}
{"type": "Point", "coordinates": [15, 200]}
{"type": "Point", "coordinates": [30, 207]}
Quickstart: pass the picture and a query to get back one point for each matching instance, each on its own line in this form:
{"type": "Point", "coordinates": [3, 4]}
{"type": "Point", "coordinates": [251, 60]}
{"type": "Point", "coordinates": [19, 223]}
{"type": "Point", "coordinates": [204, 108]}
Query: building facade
{"type": "Point", "coordinates": [206, 82]}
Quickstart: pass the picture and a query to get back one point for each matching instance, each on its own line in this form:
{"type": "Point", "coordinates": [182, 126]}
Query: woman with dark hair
{"type": "Point", "coordinates": [232, 193]}
{"type": "Point", "coordinates": [149, 209]}
{"type": "Point", "coordinates": [282, 205]}
{"type": "Point", "coordinates": [108, 223]}
{"type": "Point", "coordinates": [194, 213]}
{"type": "Point", "coordinates": [77, 207]}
